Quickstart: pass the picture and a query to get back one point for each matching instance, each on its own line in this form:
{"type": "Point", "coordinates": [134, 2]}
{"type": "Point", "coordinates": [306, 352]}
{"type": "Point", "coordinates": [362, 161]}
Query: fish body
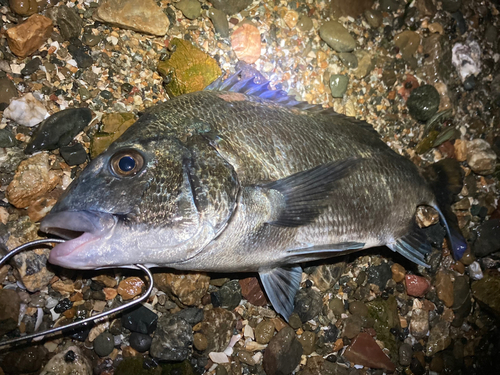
{"type": "Point", "coordinates": [221, 180]}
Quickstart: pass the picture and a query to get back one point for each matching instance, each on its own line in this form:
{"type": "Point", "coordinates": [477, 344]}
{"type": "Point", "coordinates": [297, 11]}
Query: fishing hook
{"type": "Point", "coordinates": [80, 323]}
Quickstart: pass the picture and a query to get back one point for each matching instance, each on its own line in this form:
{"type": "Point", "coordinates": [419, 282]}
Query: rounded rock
{"type": "Point", "coordinates": [358, 308]}
{"type": "Point", "coordinates": [338, 85]}
{"type": "Point", "coordinates": [130, 287]}
{"type": "Point", "coordinates": [337, 306]}
{"type": "Point", "coordinates": [219, 20]}
{"type": "Point", "coordinates": [104, 344]}
{"type": "Point", "coordinates": [337, 36]}
{"type": "Point", "coordinates": [264, 332]}
{"type": "Point", "coordinates": [200, 341]}
{"type": "Point", "coordinates": [423, 102]}
{"type": "Point", "coordinates": [140, 342]}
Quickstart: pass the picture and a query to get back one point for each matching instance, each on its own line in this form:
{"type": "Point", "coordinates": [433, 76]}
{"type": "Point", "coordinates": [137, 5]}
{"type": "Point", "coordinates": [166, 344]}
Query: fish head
{"type": "Point", "coordinates": [140, 202]}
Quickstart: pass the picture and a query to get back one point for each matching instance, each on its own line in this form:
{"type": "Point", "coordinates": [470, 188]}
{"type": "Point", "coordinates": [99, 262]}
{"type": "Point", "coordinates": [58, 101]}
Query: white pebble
{"type": "Point", "coordinates": [26, 111]}
{"type": "Point", "coordinates": [218, 357]}
{"type": "Point", "coordinates": [475, 271]}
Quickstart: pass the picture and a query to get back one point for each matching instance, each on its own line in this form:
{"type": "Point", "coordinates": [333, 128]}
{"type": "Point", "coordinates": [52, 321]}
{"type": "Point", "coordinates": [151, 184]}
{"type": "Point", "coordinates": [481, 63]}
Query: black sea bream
{"type": "Point", "coordinates": [241, 178]}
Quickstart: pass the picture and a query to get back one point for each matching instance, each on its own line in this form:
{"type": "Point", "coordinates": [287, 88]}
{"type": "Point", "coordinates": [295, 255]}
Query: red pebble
{"type": "Point", "coordinates": [416, 286]}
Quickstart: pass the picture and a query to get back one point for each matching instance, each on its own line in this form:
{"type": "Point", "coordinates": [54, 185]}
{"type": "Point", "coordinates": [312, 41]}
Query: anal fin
{"type": "Point", "coordinates": [281, 284]}
{"type": "Point", "coordinates": [413, 246]}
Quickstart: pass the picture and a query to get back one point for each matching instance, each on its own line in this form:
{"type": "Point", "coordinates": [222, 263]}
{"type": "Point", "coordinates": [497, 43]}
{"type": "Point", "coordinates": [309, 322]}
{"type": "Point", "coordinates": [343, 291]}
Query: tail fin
{"type": "Point", "coordinates": [446, 180]}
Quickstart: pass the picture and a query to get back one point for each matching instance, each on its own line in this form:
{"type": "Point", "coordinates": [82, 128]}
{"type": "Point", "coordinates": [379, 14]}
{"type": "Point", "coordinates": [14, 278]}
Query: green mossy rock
{"type": "Point", "coordinates": [113, 125]}
{"type": "Point", "coordinates": [385, 315]}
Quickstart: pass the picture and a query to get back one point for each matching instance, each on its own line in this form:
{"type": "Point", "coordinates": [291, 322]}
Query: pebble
{"type": "Point", "coordinates": [140, 342]}
{"type": "Point", "coordinates": [352, 326]}
{"type": "Point", "coordinates": [26, 7]}
{"type": "Point", "coordinates": [358, 308]}
{"type": "Point", "coordinates": [308, 304]}
{"type": "Point", "coordinates": [419, 323]}
{"type": "Point", "coordinates": [8, 91]}
{"type": "Point", "coordinates": [144, 17]}
{"type": "Point", "coordinates": [398, 272]}
{"type": "Point", "coordinates": [33, 179]}
{"type": "Point", "coordinates": [27, 37]}
{"type": "Point", "coordinates": [217, 326]}
{"type": "Point", "coordinates": [189, 288]}
{"type": "Point", "coordinates": [24, 360]}
{"type": "Point", "coordinates": [246, 43]}
{"type": "Point", "coordinates": [380, 275]}
{"type": "Point", "coordinates": [485, 292]}
{"type": "Point", "coordinates": [480, 157]}
{"type": "Point", "coordinates": [7, 139]}
{"type": "Point", "coordinates": [200, 341]}
{"type": "Point", "coordinates": [172, 340]}
{"type": "Point", "coordinates": [231, 7]}
{"type": "Point", "coordinates": [252, 292]}
{"type": "Point", "coordinates": [31, 66]}
{"type": "Point", "coordinates": [423, 102]}
{"type": "Point", "coordinates": [444, 288]}
{"type": "Point", "coordinates": [407, 42]}
{"type": "Point", "coordinates": [426, 216]}
{"type": "Point", "coordinates": [141, 320]}
{"type": "Point", "coordinates": [264, 332]}
{"type": "Point", "coordinates": [230, 294]}
{"type": "Point", "coordinates": [439, 338]}
{"type": "Point", "coordinates": [405, 354]}
{"type": "Point", "coordinates": [74, 155]}
{"type": "Point", "coordinates": [373, 17]}
{"type": "Point", "coordinates": [349, 60]}
{"type": "Point", "coordinates": [389, 5]}
{"type": "Point", "coordinates": [26, 111]}
{"type": "Point", "coordinates": [466, 58]}
{"type": "Point", "coordinates": [130, 287]}
{"type": "Point", "coordinates": [291, 18]}
{"type": "Point", "coordinates": [104, 344]}
{"type": "Point", "coordinates": [9, 310]}
{"type": "Point", "coordinates": [416, 286]}
{"type": "Point", "coordinates": [308, 341]}
{"type": "Point", "coordinates": [70, 361]}
{"type": "Point", "coordinates": [470, 83]}
{"type": "Point", "coordinates": [294, 321]}
{"type": "Point", "coordinates": [338, 85]}
{"type": "Point", "coordinates": [219, 20]}
{"type": "Point", "coordinates": [77, 50]}
{"type": "Point", "coordinates": [475, 271]}
{"type": "Point", "coordinates": [59, 129]}
{"type": "Point", "coordinates": [191, 9]}
{"type": "Point", "coordinates": [462, 303]}
{"type": "Point", "coordinates": [325, 276]}
{"type": "Point", "coordinates": [283, 353]}
{"type": "Point", "coordinates": [337, 36]}
{"type": "Point", "coordinates": [365, 64]}
{"type": "Point", "coordinates": [304, 23]}
{"type": "Point", "coordinates": [67, 19]}
{"type": "Point", "coordinates": [365, 351]}
{"type": "Point", "coordinates": [337, 306]}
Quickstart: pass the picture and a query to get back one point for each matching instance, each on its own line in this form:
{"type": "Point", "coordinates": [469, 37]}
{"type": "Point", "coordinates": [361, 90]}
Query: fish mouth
{"type": "Point", "coordinates": [81, 229]}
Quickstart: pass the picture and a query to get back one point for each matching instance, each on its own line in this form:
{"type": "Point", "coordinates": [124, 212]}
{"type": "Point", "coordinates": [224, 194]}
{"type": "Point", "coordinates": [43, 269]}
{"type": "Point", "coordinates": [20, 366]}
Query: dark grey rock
{"type": "Point", "coordinates": [283, 353]}
{"type": "Point", "coordinates": [338, 85]}
{"type": "Point", "coordinates": [373, 17]}
{"type": "Point", "coordinates": [308, 304]}
{"type": "Point", "coordinates": [59, 129]}
{"type": "Point", "coordinates": [192, 315]}
{"type": "Point", "coordinates": [389, 5]}
{"type": "Point", "coordinates": [8, 91]}
{"type": "Point", "coordinates": [140, 342]}
{"type": "Point", "coordinates": [230, 294]}
{"type": "Point", "coordinates": [90, 39]}
{"type": "Point", "coordinates": [67, 19]}
{"type": "Point", "coordinates": [219, 20]}
{"type": "Point", "coordinates": [349, 60]}
{"type": "Point", "coordinates": [25, 360]}
{"type": "Point", "coordinates": [104, 344]}
{"type": "Point", "coordinates": [380, 275]}
{"type": "Point", "coordinates": [487, 238]}
{"type": "Point", "coordinates": [451, 5]}
{"type": "Point", "coordinates": [172, 340]}
{"type": "Point", "coordinates": [31, 67]}
{"type": "Point", "coordinates": [462, 302]}
{"type": "Point", "coordinates": [460, 20]}
{"type": "Point", "coordinates": [423, 102]}
{"type": "Point", "coordinates": [231, 7]}
{"type": "Point", "coordinates": [74, 155]}
{"type": "Point", "coordinates": [352, 326]}
{"type": "Point", "coordinates": [7, 139]}
{"type": "Point", "coordinates": [141, 320]}
{"type": "Point", "coordinates": [191, 9]}
{"type": "Point", "coordinates": [81, 57]}
{"type": "Point", "coordinates": [405, 354]}
{"type": "Point", "coordinates": [218, 327]}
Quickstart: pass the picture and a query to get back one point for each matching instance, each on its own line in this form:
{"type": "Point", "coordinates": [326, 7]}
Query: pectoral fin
{"type": "Point", "coordinates": [281, 284]}
{"type": "Point", "coordinates": [306, 193]}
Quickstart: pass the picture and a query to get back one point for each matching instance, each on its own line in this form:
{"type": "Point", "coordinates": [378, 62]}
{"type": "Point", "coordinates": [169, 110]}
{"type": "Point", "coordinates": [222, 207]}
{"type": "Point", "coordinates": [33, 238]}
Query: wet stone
{"type": "Point", "coordinates": [366, 352]}
{"type": "Point", "coordinates": [304, 23]}
{"type": "Point", "coordinates": [308, 340]}
{"type": "Point", "coordinates": [398, 272]}
{"type": "Point", "coordinates": [26, 7]}
{"type": "Point", "coordinates": [283, 353]}
{"type": "Point", "coordinates": [444, 288]}
{"type": "Point", "coordinates": [77, 50]}
{"type": "Point", "coordinates": [405, 354]}
{"type": "Point", "coordinates": [379, 275]}
{"type": "Point", "coordinates": [188, 288]}
{"type": "Point", "coordinates": [470, 83]}
{"type": "Point", "coordinates": [231, 7]}
{"type": "Point", "coordinates": [337, 36]}
{"type": "Point", "coordinates": [71, 361]}
{"type": "Point", "coordinates": [172, 340]}
{"type": "Point", "coordinates": [358, 308]}
{"type": "Point", "coordinates": [338, 85]}
{"type": "Point", "coordinates": [487, 240]}
{"type": "Point", "coordinates": [480, 157]}
{"type": "Point", "coordinates": [27, 111]}
{"type": "Point", "coordinates": [416, 286]}
{"type": "Point", "coordinates": [295, 321]}
{"type": "Point", "coordinates": [325, 276]}
{"type": "Point", "coordinates": [140, 342]}
{"type": "Point", "coordinates": [365, 64]}
{"type": "Point", "coordinates": [373, 17]}
{"type": "Point", "coordinates": [27, 37]}
{"type": "Point", "coordinates": [74, 155]}
{"type": "Point", "coordinates": [141, 320]}
{"type": "Point", "coordinates": [423, 102]}
{"type": "Point", "coordinates": [451, 5]}
{"type": "Point", "coordinates": [219, 20]}
{"type": "Point", "coordinates": [9, 310]}
{"type": "Point", "coordinates": [25, 360]}
{"type": "Point", "coordinates": [337, 306]}
{"type": "Point", "coordinates": [104, 344]}
{"type": "Point", "coordinates": [389, 5]}
{"type": "Point", "coordinates": [485, 291]}
{"type": "Point", "coordinates": [439, 338]}
{"type": "Point", "coordinates": [230, 294]}
{"type": "Point", "coordinates": [217, 326]}
{"type": "Point", "coordinates": [352, 326]}
{"type": "Point", "coordinates": [67, 19]}
{"type": "Point", "coordinates": [130, 287]}
{"type": "Point", "coordinates": [419, 324]}
{"type": "Point", "coordinates": [308, 304]}
{"type": "Point", "coordinates": [252, 291]}
{"type": "Point", "coordinates": [246, 43]}
{"type": "Point", "coordinates": [407, 42]}
{"type": "Point", "coordinates": [8, 91]}
{"type": "Point", "coordinates": [264, 332]}
{"type": "Point", "coordinates": [31, 66]}
{"type": "Point", "coordinates": [349, 60]}
{"type": "Point", "coordinates": [191, 9]}
{"type": "Point", "coordinates": [7, 139]}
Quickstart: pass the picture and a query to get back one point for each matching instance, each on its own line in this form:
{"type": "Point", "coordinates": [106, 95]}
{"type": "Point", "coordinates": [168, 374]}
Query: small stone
{"type": "Point", "coordinates": [200, 341]}
{"type": "Point", "coordinates": [64, 287]}
{"type": "Point", "coordinates": [283, 353]}
{"type": "Point", "coordinates": [172, 339]}
{"type": "Point", "coordinates": [252, 292]}
{"type": "Point", "coordinates": [113, 125]}
{"type": "Point", "coordinates": [8, 91]}
{"type": "Point", "coordinates": [338, 85]}
{"type": "Point", "coordinates": [485, 291]}
{"type": "Point", "coordinates": [337, 306]}
{"type": "Point", "coordinates": [217, 326]}
{"type": "Point", "coordinates": [352, 326]}
{"type": "Point", "coordinates": [398, 272]}
{"type": "Point", "coordinates": [191, 9]}
{"type": "Point", "coordinates": [407, 42]}
{"type": "Point", "coordinates": [358, 308]}
{"type": "Point", "coordinates": [308, 340]}
{"type": "Point", "coordinates": [389, 5]}
{"type": "Point", "coordinates": [304, 23]}
{"type": "Point", "coordinates": [423, 102]}
{"type": "Point", "coordinates": [246, 43]}
{"type": "Point", "coordinates": [68, 362]}
{"type": "Point", "coordinates": [419, 323]}
{"type": "Point", "coordinates": [31, 67]}
{"type": "Point", "coordinates": [110, 293]}
{"type": "Point", "coordinates": [365, 64]}
{"type": "Point", "coordinates": [294, 321]}
{"type": "Point", "coordinates": [325, 276]}
{"type": "Point", "coordinates": [291, 18]}
{"type": "Point", "coordinates": [141, 320]}
{"type": "Point", "coordinates": [26, 360]}
{"type": "Point", "coordinates": [74, 155]}
{"type": "Point", "coordinates": [144, 16]}
{"type": "Point", "coordinates": [365, 351]}
{"type": "Point", "coordinates": [308, 304]}
{"type": "Point", "coordinates": [230, 295]}
{"type": "Point", "coordinates": [480, 157]}
{"type": "Point", "coordinates": [189, 288]}
{"type": "Point", "coordinates": [78, 51]}
{"type": "Point", "coordinates": [104, 344]}
{"type": "Point", "coordinates": [130, 287]}
{"type": "Point", "coordinates": [349, 60]}
{"type": "Point", "coordinates": [426, 216]}
{"type": "Point", "coordinates": [140, 342]}
{"type": "Point", "coordinates": [68, 21]}
{"type": "Point", "coordinates": [475, 271]}
{"type": "Point", "coordinates": [26, 7]}
{"type": "Point", "coordinates": [105, 280]}
{"type": "Point", "coordinates": [405, 354]}
{"type": "Point", "coordinates": [462, 303]}
{"type": "Point", "coordinates": [32, 180]}
{"type": "Point", "coordinates": [373, 17]}
{"type": "Point", "coordinates": [7, 139]}
{"type": "Point", "coordinates": [470, 83]}
{"type": "Point", "coordinates": [246, 357]}
{"type": "Point", "coordinates": [416, 286]}
{"type": "Point", "coordinates": [379, 275]}
{"type": "Point", "coordinates": [219, 20]}
{"type": "Point", "coordinates": [439, 338]}
{"type": "Point", "coordinates": [59, 129]}
{"type": "Point", "coordinates": [9, 310]}
{"type": "Point", "coordinates": [232, 6]}
{"type": "Point", "coordinates": [26, 111]}
{"type": "Point", "coordinates": [466, 58]}
{"type": "Point", "coordinates": [337, 36]}
{"type": "Point", "coordinates": [192, 315]}
{"type": "Point", "coordinates": [444, 288]}
{"type": "Point", "coordinates": [29, 36]}
{"type": "Point", "coordinates": [264, 332]}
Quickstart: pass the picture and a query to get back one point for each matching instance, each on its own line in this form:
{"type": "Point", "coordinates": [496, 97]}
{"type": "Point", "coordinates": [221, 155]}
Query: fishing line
{"type": "Point", "coordinates": [81, 323]}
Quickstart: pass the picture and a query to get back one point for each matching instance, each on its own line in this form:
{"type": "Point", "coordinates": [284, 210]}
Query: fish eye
{"type": "Point", "coordinates": [127, 163]}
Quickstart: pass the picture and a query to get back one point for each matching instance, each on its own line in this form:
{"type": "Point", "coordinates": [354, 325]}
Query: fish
{"type": "Point", "coordinates": [242, 178]}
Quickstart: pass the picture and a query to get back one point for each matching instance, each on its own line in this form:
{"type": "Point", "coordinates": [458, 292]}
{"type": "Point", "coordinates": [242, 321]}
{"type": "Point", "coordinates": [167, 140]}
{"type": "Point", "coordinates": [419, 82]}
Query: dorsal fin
{"type": "Point", "coordinates": [258, 86]}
